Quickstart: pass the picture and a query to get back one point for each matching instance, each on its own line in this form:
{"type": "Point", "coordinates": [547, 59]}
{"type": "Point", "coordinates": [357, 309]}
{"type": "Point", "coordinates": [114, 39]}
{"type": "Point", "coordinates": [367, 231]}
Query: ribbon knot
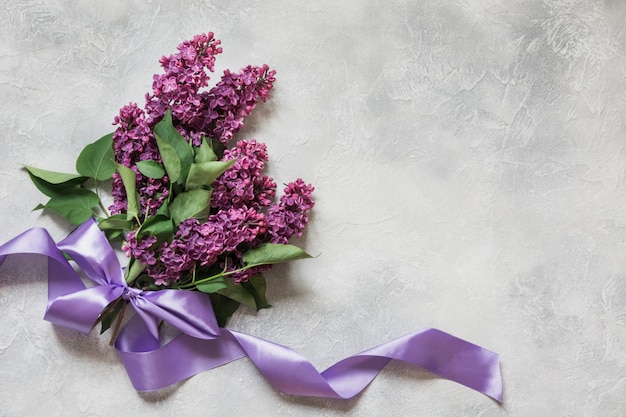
{"type": "Point", "coordinates": [130, 293]}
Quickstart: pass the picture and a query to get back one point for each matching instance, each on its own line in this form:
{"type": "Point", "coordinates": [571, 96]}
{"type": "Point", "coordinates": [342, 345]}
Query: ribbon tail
{"type": "Point", "coordinates": [284, 368]}
{"type": "Point", "coordinates": [151, 367]}
{"type": "Point", "coordinates": [431, 349]}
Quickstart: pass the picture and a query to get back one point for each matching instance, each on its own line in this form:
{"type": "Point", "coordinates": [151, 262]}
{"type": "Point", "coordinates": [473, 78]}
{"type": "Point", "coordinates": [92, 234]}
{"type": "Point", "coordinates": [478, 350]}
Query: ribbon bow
{"type": "Point", "coordinates": [202, 345]}
{"type": "Point", "coordinates": [72, 304]}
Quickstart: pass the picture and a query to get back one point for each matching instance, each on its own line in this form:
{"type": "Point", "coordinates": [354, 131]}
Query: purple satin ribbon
{"type": "Point", "coordinates": [202, 345]}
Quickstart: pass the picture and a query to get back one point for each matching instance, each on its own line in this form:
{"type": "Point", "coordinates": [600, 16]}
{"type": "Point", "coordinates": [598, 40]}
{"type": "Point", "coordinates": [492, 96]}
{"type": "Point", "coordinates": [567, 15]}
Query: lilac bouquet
{"type": "Point", "coordinates": [193, 212]}
{"type": "Point", "coordinates": [198, 222]}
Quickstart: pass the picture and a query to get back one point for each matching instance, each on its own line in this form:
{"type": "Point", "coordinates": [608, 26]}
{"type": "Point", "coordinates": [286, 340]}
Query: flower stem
{"type": "Point", "coordinates": [118, 323]}
{"type": "Point", "coordinates": [192, 284]}
{"type": "Point", "coordinates": [104, 210]}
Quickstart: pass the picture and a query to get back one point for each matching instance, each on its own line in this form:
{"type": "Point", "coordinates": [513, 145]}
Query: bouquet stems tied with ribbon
{"type": "Point", "coordinates": [199, 223]}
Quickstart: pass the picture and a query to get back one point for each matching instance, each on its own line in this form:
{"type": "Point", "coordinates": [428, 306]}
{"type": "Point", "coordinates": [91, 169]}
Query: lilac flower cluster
{"type": "Point", "coordinates": [243, 184]}
{"type": "Point", "coordinates": [242, 213]}
{"type": "Point", "coordinates": [243, 217]}
{"type": "Point", "coordinates": [283, 220]}
{"type": "Point", "coordinates": [200, 244]}
{"type": "Point", "coordinates": [140, 249]}
{"type": "Point", "coordinates": [215, 114]}
{"type": "Point", "coordinates": [178, 88]}
{"type": "Point", "coordinates": [234, 98]}
{"type": "Point", "coordinates": [134, 141]}
{"type": "Point", "coordinates": [289, 217]}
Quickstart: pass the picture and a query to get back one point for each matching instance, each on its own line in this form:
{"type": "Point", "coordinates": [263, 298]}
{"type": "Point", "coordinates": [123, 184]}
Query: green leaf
{"type": "Point", "coordinates": [214, 285]}
{"type": "Point", "coordinates": [192, 203]}
{"type": "Point", "coordinates": [151, 169]}
{"type": "Point", "coordinates": [273, 253]}
{"type": "Point", "coordinates": [164, 209]}
{"type": "Point", "coordinates": [53, 177]}
{"type": "Point", "coordinates": [129, 178]}
{"type": "Point", "coordinates": [256, 286]}
{"type": "Point", "coordinates": [170, 158]}
{"type": "Point", "coordinates": [76, 206]}
{"type": "Point", "coordinates": [166, 131]}
{"type": "Point", "coordinates": [112, 234]}
{"type": "Point", "coordinates": [224, 308]}
{"type": "Point", "coordinates": [54, 190]}
{"type": "Point", "coordinates": [238, 293]}
{"type": "Point", "coordinates": [204, 173]}
{"type": "Point", "coordinates": [146, 282]}
{"type": "Point", "coordinates": [115, 222]}
{"type": "Point", "coordinates": [204, 153]}
{"type": "Point", "coordinates": [135, 268]}
{"type": "Point", "coordinates": [108, 315]}
{"type": "Point", "coordinates": [97, 159]}
{"type": "Point", "coordinates": [159, 226]}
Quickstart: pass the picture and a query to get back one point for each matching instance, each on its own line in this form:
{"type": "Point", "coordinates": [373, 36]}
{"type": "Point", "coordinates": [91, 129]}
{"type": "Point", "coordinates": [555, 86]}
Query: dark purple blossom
{"type": "Point", "coordinates": [178, 88]}
{"type": "Point", "coordinates": [234, 98]}
{"type": "Point", "coordinates": [243, 184]}
{"type": "Point", "coordinates": [217, 113]}
{"type": "Point", "coordinates": [134, 141]}
{"type": "Point", "coordinates": [290, 216]}
{"type": "Point", "coordinates": [140, 249]}
{"type": "Point", "coordinates": [201, 244]}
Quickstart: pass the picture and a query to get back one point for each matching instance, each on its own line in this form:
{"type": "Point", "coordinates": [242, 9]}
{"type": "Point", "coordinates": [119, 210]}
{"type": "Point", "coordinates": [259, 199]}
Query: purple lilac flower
{"type": "Point", "coordinates": [223, 236]}
{"type": "Point", "coordinates": [289, 217]}
{"type": "Point", "coordinates": [216, 113]}
{"type": "Point", "coordinates": [140, 249]}
{"type": "Point", "coordinates": [178, 87]}
{"type": "Point", "coordinates": [201, 244]}
{"type": "Point", "coordinates": [134, 141]}
{"type": "Point", "coordinates": [234, 98]}
{"type": "Point", "coordinates": [243, 184]}
{"type": "Point", "coordinates": [283, 220]}
{"type": "Point", "coordinates": [242, 212]}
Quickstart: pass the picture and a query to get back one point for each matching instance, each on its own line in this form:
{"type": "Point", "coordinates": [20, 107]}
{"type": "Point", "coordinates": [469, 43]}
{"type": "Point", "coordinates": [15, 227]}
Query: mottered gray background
{"type": "Point", "coordinates": [468, 158]}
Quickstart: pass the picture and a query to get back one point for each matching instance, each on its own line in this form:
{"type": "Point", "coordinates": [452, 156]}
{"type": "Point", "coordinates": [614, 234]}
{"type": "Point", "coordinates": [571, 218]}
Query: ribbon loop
{"type": "Point", "coordinates": [92, 252]}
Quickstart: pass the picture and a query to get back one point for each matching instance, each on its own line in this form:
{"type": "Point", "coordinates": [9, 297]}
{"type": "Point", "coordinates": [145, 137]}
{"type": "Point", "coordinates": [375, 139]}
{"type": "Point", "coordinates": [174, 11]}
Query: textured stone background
{"type": "Point", "coordinates": [469, 163]}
